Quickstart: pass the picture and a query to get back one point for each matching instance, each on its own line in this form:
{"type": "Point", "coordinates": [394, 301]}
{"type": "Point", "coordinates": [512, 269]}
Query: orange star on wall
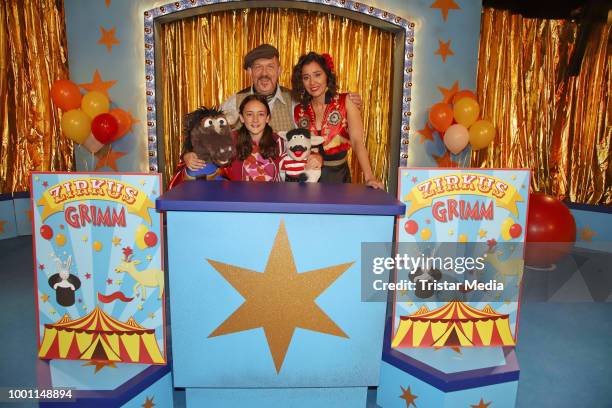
{"type": "Point", "coordinates": [28, 214]}
{"type": "Point", "coordinates": [587, 234]}
{"type": "Point", "coordinates": [481, 404]}
{"type": "Point", "coordinates": [445, 6]}
{"type": "Point", "coordinates": [108, 38]}
{"type": "Point", "coordinates": [97, 84]}
{"type": "Point", "coordinates": [444, 49]}
{"type": "Point", "coordinates": [100, 364]}
{"type": "Point", "coordinates": [408, 396]}
{"type": "Point", "coordinates": [445, 161]}
{"type": "Point", "coordinates": [427, 133]}
{"type": "Point", "coordinates": [148, 403]}
{"type": "Point", "coordinates": [2, 224]}
{"type": "Point", "coordinates": [109, 159]}
{"type": "Point", "coordinates": [108, 3]}
{"type": "Point", "coordinates": [448, 93]}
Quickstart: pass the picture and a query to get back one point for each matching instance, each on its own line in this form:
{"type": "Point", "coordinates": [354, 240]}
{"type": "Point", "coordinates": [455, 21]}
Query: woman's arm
{"type": "Point", "coordinates": [355, 127]}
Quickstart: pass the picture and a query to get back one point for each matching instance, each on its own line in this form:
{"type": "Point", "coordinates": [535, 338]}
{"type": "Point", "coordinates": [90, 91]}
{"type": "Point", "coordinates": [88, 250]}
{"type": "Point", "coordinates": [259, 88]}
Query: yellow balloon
{"type": "Point", "coordinates": [466, 111]}
{"type": "Point", "coordinates": [97, 246]}
{"type": "Point", "coordinates": [505, 229]}
{"type": "Point", "coordinates": [60, 239]}
{"type": "Point", "coordinates": [481, 133]}
{"type": "Point", "coordinates": [425, 234]}
{"type": "Point", "coordinates": [141, 230]}
{"type": "Point", "coordinates": [95, 103]}
{"type": "Point", "coordinates": [76, 125]}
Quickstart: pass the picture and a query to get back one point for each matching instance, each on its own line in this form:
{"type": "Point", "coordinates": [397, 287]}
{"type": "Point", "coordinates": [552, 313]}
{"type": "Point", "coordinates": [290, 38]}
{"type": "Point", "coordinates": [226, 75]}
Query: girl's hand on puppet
{"type": "Point", "coordinates": [192, 161]}
{"type": "Point", "coordinates": [315, 161]}
{"type": "Point", "coordinates": [375, 184]}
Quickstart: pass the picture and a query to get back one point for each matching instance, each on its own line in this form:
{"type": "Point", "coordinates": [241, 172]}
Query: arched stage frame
{"type": "Point", "coordinates": [401, 83]}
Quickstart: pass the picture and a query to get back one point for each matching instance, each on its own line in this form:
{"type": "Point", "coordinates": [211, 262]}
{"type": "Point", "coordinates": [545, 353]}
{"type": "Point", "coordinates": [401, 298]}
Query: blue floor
{"type": "Point", "coordinates": [564, 349]}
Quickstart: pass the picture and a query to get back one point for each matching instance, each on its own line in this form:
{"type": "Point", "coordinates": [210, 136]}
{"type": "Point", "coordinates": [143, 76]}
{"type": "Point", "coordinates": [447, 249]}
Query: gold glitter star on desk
{"type": "Point", "coordinates": [408, 396]}
{"type": "Point", "coordinates": [280, 299]}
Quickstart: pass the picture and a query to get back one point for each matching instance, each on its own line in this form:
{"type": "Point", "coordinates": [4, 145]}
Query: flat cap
{"type": "Point", "coordinates": [262, 51]}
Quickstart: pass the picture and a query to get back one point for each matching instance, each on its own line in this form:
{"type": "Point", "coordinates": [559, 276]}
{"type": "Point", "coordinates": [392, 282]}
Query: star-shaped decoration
{"type": "Point", "coordinates": [448, 93]}
{"type": "Point", "coordinates": [142, 182]}
{"type": "Point", "coordinates": [84, 307]}
{"type": "Point", "coordinates": [445, 160]}
{"type": "Point", "coordinates": [139, 307]}
{"type": "Point", "coordinates": [44, 297]}
{"type": "Point", "coordinates": [587, 234]}
{"type": "Point", "coordinates": [88, 275]}
{"type": "Point", "coordinates": [445, 6]}
{"type": "Point", "coordinates": [36, 178]}
{"type": "Point", "coordinates": [41, 267]}
{"type": "Point", "coordinates": [109, 281]}
{"type": "Point", "coordinates": [482, 233]}
{"type": "Point", "coordinates": [52, 311]}
{"type": "Point", "coordinates": [118, 282]}
{"type": "Point", "coordinates": [280, 299]}
{"type": "Point", "coordinates": [148, 403]}
{"type": "Point", "coordinates": [107, 3]}
{"type": "Point", "coordinates": [116, 241]}
{"type": "Point", "coordinates": [28, 214]}
{"type": "Point", "coordinates": [491, 243]}
{"type": "Point", "coordinates": [97, 84]}
{"type": "Point", "coordinates": [451, 231]}
{"type": "Point", "coordinates": [427, 221]}
{"type": "Point", "coordinates": [109, 160]}
{"type": "Point", "coordinates": [61, 226]}
{"type": "Point", "coordinates": [456, 349]}
{"type": "Point", "coordinates": [100, 365]}
{"type": "Point", "coordinates": [84, 238]}
{"type": "Point", "coordinates": [408, 396]}
{"type": "Point", "coordinates": [414, 179]}
{"type": "Point", "coordinates": [513, 177]}
{"type": "Point", "coordinates": [427, 133]}
{"type": "Point", "coordinates": [151, 315]}
{"type": "Point", "coordinates": [444, 50]}
{"type": "Point", "coordinates": [2, 224]}
{"type": "Point", "coordinates": [148, 257]}
{"type": "Point", "coordinates": [481, 404]}
{"type": "Point", "coordinates": [108, 38]}
{"type": "Point", "coordinates": [45, 184]}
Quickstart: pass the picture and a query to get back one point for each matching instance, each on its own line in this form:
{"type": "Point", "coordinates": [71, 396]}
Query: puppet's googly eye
{"type": "Point", "coordinates": [208, 122]}
{"type": "Point", "coordinates": [222, 122]}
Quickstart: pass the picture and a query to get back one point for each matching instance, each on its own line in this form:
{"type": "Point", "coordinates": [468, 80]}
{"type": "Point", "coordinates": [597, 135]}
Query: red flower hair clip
{"type": "Point", "coordinates": [328, 61]}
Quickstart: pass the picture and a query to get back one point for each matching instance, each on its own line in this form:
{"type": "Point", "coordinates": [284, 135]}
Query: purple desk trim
{"type": "Point", "coordinates": [296, 198]}
{"type": "Point", "coordinates": [449, 382]}
{"type": "Point", "coordinates": [102, 398]}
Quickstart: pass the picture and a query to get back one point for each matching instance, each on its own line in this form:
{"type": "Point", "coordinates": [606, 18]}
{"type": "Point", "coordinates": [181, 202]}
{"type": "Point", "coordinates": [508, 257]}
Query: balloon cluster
{"type": "Point", "coordinates": [459, 123]}
{"type": "Point", "coordinates": [88, 114]}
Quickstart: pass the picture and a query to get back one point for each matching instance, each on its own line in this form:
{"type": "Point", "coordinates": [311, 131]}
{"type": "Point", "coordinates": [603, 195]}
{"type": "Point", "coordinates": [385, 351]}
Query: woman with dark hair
{"type": "Point", "coordinates": [258, 148]}
{"type": "Point", "coordinates": [331, 115]}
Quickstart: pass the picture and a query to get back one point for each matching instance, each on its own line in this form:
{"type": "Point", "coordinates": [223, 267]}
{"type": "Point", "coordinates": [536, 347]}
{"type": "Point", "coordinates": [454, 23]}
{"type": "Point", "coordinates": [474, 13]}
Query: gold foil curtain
{"type": "Point", "coordinates": [559, 126]}
{"type": "Point", "coordinates": [202, 65]}
{"type": "Point", "coordinates": [32, 56]}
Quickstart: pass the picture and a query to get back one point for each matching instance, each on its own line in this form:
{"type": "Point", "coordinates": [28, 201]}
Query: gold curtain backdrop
{"type": "Point", "coordinates": [559, 126]}
{"type": "Point", "coordinates": [202, 65]}
{"type": "Point", "coordinates": [32, 56]}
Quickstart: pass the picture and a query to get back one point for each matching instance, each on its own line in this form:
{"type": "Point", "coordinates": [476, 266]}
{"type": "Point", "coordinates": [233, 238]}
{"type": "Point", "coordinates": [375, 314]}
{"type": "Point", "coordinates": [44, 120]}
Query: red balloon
{"type": "Point", "coordinates": [515, 230]}
{"type": "Point", "coordinates": [441, 116]}
{"type": "Point", "coordinates": [46, 232]}
{"type": "Point", "coordinates": [411, 227]}
{"type": "Point", "coordinates": [551, 230]}
{"type": "Point", "coordinates": [104, 127]}
{"type": "Point", "coordinates": [150, 239]}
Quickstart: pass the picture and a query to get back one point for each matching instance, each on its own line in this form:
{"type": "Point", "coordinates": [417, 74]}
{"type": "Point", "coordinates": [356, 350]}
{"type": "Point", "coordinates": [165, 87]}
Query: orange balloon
{"type": "Point", "coordinates": [441, 116]}
{"type": "Point", "coordinates": [65, 94]}
{"type": "Point", "coordinates": [464, 93]}
{"type": "Point", "coordinates": [124, 120]}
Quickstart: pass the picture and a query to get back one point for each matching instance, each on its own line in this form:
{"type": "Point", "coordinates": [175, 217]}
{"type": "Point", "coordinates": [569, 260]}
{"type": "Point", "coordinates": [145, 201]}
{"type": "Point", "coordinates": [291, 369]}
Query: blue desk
{"type": "Point", "coordinates": [265, 292]}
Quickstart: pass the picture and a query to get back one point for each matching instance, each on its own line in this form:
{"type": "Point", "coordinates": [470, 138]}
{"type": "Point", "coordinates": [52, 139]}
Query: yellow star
{"type": "Point", "coordinates": [52, 311]}
{"type": "Point", "coordinates": [148, 257]}
{"type": "Point", "coordinates": [44, 297]}
{"type": "Point", "coordinates": [142, 182]}
{"type": "Point", "coordinates": [148, 403]}
{"type": "Point", "coordinates": [84, 238]}
{"type": "Point", "coordinates": [482, 233]}
{"type": "Point", "coordinates": [280, 299]}
{"type": "Point", "coordinates": [116, 241]}
{"type": "Point", "coordinates": [108, 38]}
{"type": "Point", "coordinates": [445, 6]}
{"type": "Point", "coordinates": [118, 282]}
{"type": "Point", "coordinates": [448, 93]}
{"type": "Point", "coordinates": [2, 224]}
{"type": "Point", "coordinates": [109, 160]}
{"type": "Point", "coordinates": [139, 307]}
{"type": "Point", "coordinates": [97, 84]}
{"type": "Point", "coordinates": [444, 49]}
{"type": "Point", "coordinates": [152, 315]}
{"type": "Point", "coordinates": [481, 404]}
{"type": "Point", "coordinates": [100, 365]}
{"type": "Point", "coordinates": [36, 178]}
{"type": "Point", "coordinates": [408, 396]}
{"type": "Point", "coordinates": [587, 234]}
{"type": "Point", "coordinates": [513, 177]}
{"type": "Point", "coordinates": [451, 232]}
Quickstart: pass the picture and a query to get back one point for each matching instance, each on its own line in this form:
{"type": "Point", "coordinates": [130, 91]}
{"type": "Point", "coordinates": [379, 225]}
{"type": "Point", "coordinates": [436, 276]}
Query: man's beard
{"type": "Point", "coordinates": [267, 96]}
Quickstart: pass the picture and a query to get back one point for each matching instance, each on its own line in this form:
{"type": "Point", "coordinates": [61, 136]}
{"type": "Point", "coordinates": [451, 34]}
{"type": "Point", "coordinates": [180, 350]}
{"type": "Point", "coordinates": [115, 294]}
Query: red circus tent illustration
{"type": "Point", "coordinates": [100, 337]}
{"type": "Point", "coordinates": [453, 324]}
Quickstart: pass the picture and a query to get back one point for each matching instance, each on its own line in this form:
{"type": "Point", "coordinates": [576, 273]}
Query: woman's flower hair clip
{"type": "Point", "coordinates": [328, 61]}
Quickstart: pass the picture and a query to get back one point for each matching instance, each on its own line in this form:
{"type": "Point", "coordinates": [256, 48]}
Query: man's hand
{"type": "Point", "coordinates": [315, 161]}
{"type": "Point", "coordinates": [356, 99]}
{"type": "Point", "coordinates": [192, 161]}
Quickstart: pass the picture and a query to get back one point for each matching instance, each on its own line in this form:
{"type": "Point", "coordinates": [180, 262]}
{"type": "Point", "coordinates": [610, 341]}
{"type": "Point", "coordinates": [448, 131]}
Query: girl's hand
{"type": "Point", "coordinates": [192, 161]}
{"type": "Point", "coordinates": [315, 161]}
{"type": "Point", "coordinates": [375, 184]}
